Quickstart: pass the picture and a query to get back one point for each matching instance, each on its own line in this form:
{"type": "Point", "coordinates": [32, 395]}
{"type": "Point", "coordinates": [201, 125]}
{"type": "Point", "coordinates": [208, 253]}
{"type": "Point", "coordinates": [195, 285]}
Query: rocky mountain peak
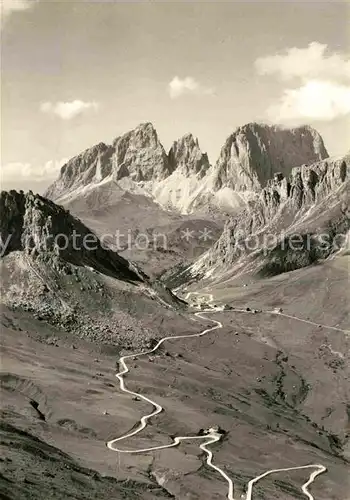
{"type": "Point", "coordinates": [140, 155]}
{"type": "Point", "coordinates": [186, 156]}
{"type": "Point", "coordinates": [255, 152]}
{"type": "Point", "coordinates": [94, 163]}
{"type": "Point", "coordinates": [144, 135]}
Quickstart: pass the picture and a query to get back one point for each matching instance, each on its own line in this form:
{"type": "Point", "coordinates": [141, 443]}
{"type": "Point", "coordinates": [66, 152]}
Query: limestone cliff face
{"type": "Point", "coordinates": [92, 164]}
{"type": "Point", "coordinates": [140, 155]}
{"type": "Point", "coordinates": [254, 153]}
{"type": "Point", "coordinates": [186, 156]}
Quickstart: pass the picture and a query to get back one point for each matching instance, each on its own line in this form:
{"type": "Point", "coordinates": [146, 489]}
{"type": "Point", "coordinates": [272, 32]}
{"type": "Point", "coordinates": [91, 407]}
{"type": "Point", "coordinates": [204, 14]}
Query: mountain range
{"type": "Point", "coordinates": [133, 186]}
{"type": "Point", "coordinates": [120, 252]}
{"type": "Point", "coordinates": [296, 221]}
{"type": "Point", "coordinates": [183, 179]}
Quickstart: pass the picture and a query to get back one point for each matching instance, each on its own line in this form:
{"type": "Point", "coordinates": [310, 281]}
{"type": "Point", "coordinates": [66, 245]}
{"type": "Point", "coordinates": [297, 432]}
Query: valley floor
{"type": "Point", "coordinates": [277, 386]}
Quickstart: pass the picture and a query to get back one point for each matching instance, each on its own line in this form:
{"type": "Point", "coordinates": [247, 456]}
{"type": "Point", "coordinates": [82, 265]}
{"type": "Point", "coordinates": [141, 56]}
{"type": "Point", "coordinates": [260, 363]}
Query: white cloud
{"type": "Point", "coordinates": [68, 110]}
{"type": "Point", "coordinates": [313, 101]}
{"type": "Point", "coordinates": [188, 85]}
{"type": "Point", "coordinates": [321, 88]}
{"type": "Point", "coordinates": [17, 175]}
{"type": "Point", "coordinates": [310, 62]}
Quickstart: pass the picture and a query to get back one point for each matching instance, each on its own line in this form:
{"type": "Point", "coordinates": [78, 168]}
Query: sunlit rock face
{"type": "Point", "coordinates": [254, 153]}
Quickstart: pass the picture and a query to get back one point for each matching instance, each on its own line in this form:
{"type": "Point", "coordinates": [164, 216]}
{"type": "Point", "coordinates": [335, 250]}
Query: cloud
{"type": "Point", "coordinates": [17, 175]}
{"type": "Point", "coordinates": [321, 90]}
{"type": "Point", "coordinates": [310, 62]}
{"type": "Point", "coordinates": [68, 110]}
{"type": "Point", "coordinates": [188, 85]}
{"type": "Point", "coordinates": [10, 6]}
{"type": "Point", "coordinates": [315, 100]}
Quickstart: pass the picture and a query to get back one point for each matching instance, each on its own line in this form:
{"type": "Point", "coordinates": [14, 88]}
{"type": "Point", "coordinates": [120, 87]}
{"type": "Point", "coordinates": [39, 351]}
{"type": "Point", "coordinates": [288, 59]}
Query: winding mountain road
{"type": "Point", "coordinates": [211, 436]}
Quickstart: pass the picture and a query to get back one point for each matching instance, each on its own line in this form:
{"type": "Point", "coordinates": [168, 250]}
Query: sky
{"type": "Point", "coordinates": [75, 73]}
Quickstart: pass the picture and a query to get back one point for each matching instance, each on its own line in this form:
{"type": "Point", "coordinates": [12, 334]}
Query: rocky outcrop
{"type": "Point", "coordinates": [254, 153]}
{"type": "Point", "coordinates": [42, 229]}
{"type": "Point", "coordinates": [140, 155]}
{"type": "Point", "coordinates": [56, 269]}
{"type": "Point", "coordinates": [186, 157]}
{"type": "Point", "coordinates": [282, 203]}
{"type": "Point", "coordinates": [312, 204]}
